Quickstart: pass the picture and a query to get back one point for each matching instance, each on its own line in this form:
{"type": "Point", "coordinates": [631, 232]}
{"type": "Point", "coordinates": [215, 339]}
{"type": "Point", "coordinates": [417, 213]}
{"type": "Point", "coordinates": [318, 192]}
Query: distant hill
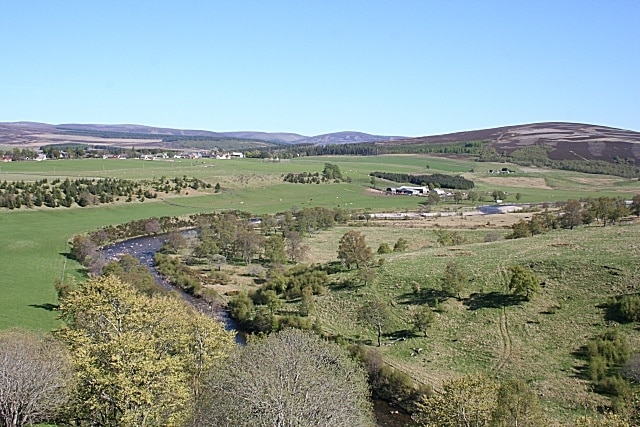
{"type": "Point", "coordinates": [135, 129]}
{"type": "Point", "coordinates": [276, 137]}
{"type": "Point", "coordinates": [35, 135]}
{"type": "Point", "coordinates": [345, 138]}
{"type": "Point", "coordinates": [567, 141]}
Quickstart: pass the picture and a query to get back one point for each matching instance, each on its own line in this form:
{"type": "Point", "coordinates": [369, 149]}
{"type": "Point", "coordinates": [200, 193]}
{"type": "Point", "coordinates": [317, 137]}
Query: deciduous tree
{"type": "Point", "coordinates": [467, 401]}
{"type": "Point", "coordinates": [571, 214]}
{"type": "Point", "coordinates": [366, 275]}
{"type": "Point", "coordinates": [295, 249]}
{"type": "Point", "coordinates": [35, 378]}
{"type": "Point", "coordinates": [274, 249]}
{"type": "Point", "coordinates": [374, 314]}
{"type": "Point", "coordinates": [454, 280]}
{"type": "Point", "coordinates": [353, 250]}
{"type": "Point", "coordinates": [423, 318]}
{"type": "Point", "coordinates": [400, 245]}
{"type": "Point", "coordinates": [517, 406]}
{"type": "Point", "coordinates": [523, 282]}
{"type": "Point", "coordinates": [291, 378]}
{"type": "Point", "coordinates": [138, 359]}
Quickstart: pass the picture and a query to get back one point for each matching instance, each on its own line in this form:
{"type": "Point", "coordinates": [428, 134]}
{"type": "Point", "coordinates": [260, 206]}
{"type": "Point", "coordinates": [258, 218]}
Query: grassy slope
{"type": "Point", "coordinates": [534, 340]}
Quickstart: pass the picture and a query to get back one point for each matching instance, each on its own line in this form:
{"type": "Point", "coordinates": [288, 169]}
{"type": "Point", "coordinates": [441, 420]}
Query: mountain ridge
{"type": "Point", "coordinates": [564, 140]}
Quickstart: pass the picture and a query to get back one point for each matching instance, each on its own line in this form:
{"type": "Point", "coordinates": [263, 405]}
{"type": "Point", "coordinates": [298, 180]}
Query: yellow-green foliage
{"type": "Point", "coordinates": [138, 359]}
{"type": "Point", "coordinates": [465, 401]}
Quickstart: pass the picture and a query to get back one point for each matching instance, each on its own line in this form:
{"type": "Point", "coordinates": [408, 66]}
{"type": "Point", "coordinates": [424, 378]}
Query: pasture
{"type": "Point", "coordinates": [485, 331]}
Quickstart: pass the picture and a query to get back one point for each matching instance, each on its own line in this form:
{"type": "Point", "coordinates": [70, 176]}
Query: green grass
{"type": "Point", "coordinates": [581, 269]}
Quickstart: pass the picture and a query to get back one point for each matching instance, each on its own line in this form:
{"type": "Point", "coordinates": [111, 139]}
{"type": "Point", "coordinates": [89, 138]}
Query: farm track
{"type": "Point", "coordinates": [507, 343]}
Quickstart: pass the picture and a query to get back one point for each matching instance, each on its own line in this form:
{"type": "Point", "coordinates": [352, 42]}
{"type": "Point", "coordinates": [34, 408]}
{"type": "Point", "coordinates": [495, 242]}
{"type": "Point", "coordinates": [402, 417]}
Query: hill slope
{"type": "Point", "coordinates": [568, 141]}
{"type": "Point", "coordinates": [346, 137]}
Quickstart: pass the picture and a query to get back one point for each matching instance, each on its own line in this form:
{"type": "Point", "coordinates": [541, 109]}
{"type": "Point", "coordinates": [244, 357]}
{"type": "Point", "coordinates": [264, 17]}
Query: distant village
{"type": "Point", "coordinates": [51, 153]}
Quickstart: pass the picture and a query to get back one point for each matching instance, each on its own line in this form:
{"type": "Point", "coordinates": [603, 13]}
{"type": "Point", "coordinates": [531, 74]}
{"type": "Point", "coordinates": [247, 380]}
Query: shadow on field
{"type": "Point", "coordinates": [46, 306]}
{"type": "Point", "coordinates": [581, 372]}
{"type": "Point", "coordinates": [494, 299]}
{"type": "Point", "coordinates": [399, 335]}
{"type": "Point", "coordinates": [426, 296]}
{"type": "Point", "coordinates": [333, 267]}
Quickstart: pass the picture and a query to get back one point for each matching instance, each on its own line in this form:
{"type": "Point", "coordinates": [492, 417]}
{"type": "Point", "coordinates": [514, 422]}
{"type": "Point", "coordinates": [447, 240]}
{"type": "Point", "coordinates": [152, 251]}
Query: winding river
{"type": "Point", "coordinates": [144, 249]}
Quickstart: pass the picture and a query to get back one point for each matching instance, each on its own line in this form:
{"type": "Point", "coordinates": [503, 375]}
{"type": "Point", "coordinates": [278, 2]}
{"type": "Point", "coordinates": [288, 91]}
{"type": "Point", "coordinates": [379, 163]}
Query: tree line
{"type": "Point", "coordinates": [89, 191]}
{"type": "Point", "coordinates": [573, 213]}
{"type": "Point", "coordinates": [436, 180]}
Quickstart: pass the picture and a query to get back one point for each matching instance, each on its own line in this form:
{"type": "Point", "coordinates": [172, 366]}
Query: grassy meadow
{"type": "Point", "coordinates": [483, 331]}
{"type": "Point", "coordinates": [534, 340]}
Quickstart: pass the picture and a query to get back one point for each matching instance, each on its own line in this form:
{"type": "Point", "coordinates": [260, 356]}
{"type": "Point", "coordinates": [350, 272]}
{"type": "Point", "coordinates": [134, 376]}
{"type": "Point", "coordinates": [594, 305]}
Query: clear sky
{"type": "Point", "coordinates": [395, 67]}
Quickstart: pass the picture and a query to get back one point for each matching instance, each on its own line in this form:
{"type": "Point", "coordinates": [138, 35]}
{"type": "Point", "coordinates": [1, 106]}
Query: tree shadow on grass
{"type": "Point", "coordinates": [343, 285]}
{"type": "Point", "coordinates": [581, 372]}
{"type": "Point", "coordinates": [425, 296]}
{"type": "Point", "coordinates": [477, 301]}
{"type": "Point", "coordinates": [46, 306]}
{"type": "Point", "coordinates": [612, 311]}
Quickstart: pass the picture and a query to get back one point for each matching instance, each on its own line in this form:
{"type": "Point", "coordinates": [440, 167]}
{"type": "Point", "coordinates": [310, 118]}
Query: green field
{"type": "Point", "coordinates": [581, 268]}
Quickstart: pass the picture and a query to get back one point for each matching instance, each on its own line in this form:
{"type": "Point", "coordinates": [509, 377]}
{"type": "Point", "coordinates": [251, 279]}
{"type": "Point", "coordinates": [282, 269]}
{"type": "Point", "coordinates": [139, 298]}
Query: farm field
{"type": "Point", "coordinates": [535, 340]}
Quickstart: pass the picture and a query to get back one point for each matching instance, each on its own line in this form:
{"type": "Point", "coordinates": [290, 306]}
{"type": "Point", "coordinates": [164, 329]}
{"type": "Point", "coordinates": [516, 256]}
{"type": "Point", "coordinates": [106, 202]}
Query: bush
{"type": "Point", "coordinates": [629, 308]}
{"type": "Point", "coordinates": [384, 248]}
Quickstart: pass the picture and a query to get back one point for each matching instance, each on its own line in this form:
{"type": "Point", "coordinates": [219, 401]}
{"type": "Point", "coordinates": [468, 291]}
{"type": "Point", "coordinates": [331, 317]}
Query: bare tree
{"type": "Point", "coordinates": [35, 375]}
{"type": "Point", "coordinates": [295, 249]}
{"type": "Point", "coordinates": [375, 314]}
{"type": "Point", "coordinates": [289, 379]}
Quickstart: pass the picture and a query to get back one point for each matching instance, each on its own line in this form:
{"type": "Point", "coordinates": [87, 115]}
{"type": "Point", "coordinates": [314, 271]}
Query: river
{"type": "Point", "coordinates": [144, 249]}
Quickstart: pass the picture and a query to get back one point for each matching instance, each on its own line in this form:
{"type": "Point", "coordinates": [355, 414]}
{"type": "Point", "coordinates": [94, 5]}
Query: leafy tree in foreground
{"type": "Point", "coordinates": [353, 250]}
{"type": "Point", "coordinates": [467, 401]}
{"type": "Point", "coordinates": [295, 249]}
{"type": "Point", "coordinates": [274, 250]}
{"type": "Point", "coordinates": [571, 214]}
{"type": "Point", "coordinates": [139, 359]}
{"type": "Point", "coordinates": [331, 171]}
{"type": "Point", "coordinates": [35, 378]}
{"type": "Point", "coordinates": [454, 280]}
{"type": "Point", "coordinates": [366, 275]}
{"type": "Point", "coordinates": [384, 248]}
{"type": "Point", "coordinates": [607, 420]}
{"type": "Point", "coordinates": [290, 378]}
{"type": "Point", "coordinates": [517, 405]}
{"type": "Point", "coordinates": [400, 245]}
{"type": "Point", "coordinates": [423, 317]}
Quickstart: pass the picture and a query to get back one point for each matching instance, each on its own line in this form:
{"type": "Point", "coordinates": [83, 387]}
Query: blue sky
{"type": "Point", "coordinates": [311, 67]}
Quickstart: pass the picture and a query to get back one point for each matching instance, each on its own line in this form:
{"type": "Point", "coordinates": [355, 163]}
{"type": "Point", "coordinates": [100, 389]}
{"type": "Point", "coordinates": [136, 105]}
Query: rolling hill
{"type": "Point", "coordinates": [566, 141]}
